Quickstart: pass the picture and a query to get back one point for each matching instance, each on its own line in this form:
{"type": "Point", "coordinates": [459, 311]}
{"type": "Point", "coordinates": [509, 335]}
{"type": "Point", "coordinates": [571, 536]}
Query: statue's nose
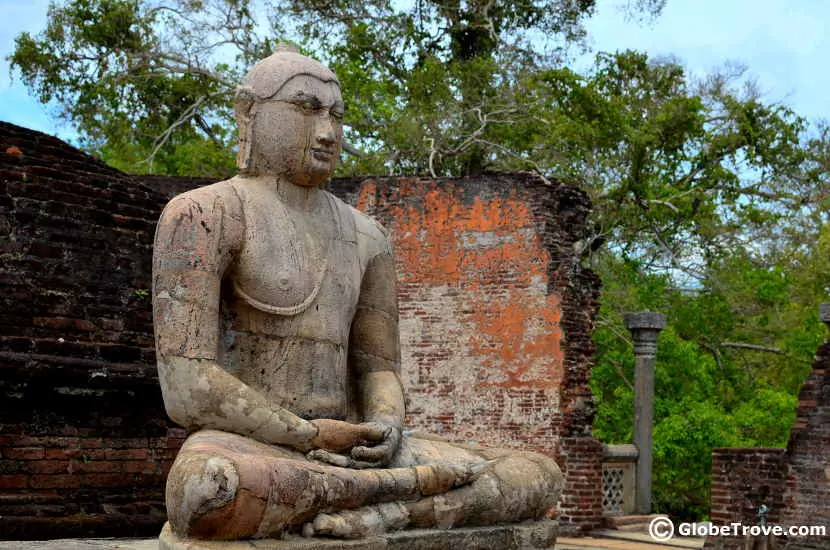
{"type": "Point", "coordinates": [325, 131]}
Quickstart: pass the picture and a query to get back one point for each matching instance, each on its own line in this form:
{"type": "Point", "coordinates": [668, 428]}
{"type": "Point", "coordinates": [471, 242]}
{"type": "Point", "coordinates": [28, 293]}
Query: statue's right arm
{"type": "Point", "coordinates": [197, 237]}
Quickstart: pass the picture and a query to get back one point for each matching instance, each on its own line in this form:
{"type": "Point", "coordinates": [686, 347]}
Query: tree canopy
{"type": "Point", "coordinates": [710, 203]}
{"type": "Point", "coordinates": [424, 79]}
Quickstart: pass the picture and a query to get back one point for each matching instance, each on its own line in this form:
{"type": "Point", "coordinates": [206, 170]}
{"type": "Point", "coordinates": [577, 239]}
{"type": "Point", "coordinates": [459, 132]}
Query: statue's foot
{"type": "Point", "coordinates": [360, 522]}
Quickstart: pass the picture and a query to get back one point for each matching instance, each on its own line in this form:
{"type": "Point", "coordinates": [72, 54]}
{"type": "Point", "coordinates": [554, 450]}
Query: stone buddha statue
{"type": "Point", "coordinates": [276, 328]}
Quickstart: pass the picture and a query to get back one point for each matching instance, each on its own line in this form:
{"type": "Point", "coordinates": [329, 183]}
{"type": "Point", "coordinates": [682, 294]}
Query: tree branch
{"type": "Point", "coordinates": [753, 347]}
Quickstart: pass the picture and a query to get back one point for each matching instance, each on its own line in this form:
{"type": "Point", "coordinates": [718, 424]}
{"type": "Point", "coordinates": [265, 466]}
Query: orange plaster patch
{"type": "Point", "coordinates": [367, 198]}
{"type": "Point", "coordinates": [514, 328]}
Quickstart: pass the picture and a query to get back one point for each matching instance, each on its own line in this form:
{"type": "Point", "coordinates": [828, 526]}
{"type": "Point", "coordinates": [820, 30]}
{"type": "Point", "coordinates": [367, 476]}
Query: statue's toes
{"type": "Point", "coordinates": [360, 523]}
{"type": "Point", "coordinates": [329, 525]}
{"type": "Point", "coordinates": [467, 473]}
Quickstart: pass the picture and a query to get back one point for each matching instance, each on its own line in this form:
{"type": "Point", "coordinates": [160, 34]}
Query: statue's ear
{"type": "Point", "coordinates": [244, 113]}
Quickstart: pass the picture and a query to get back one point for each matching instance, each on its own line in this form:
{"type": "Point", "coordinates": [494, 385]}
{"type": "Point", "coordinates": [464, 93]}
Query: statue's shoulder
{"type": "Point", "coordinates": [217, 199]}
{"type": "Point", "coordinates": [210, 215]}
{"type": "Point", "coordinates": [372, 237]}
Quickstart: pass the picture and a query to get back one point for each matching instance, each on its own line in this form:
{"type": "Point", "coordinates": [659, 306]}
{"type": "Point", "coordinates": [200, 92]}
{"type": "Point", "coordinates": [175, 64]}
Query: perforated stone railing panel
{"type": "Point", "coordinates": [619, 467]}
{"type": "Point", "coordinates": [612, 489]}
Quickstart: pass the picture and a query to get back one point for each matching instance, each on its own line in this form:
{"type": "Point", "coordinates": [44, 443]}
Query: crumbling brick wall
{"type": "Point", "coordinates": [807, 491]}
{"type": "Point", "coordinates": [496, 316]}
{"type": "Point", "coordinates": [84, 443]}
{"type": "Point", "coordinates": [794, 483]}
{"type": "Point", "coordinates": [742, 480]}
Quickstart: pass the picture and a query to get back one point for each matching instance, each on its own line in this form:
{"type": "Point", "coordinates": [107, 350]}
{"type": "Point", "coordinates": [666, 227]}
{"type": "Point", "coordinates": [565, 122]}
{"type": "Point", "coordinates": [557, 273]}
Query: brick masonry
{"type": "Point", "coordinates": [807, 490]}
{"type": "Point", "coordinates": [794, 483]}
{"type": "Point", "coordinates": [742, 480]}
{"type": "Point", "coordinates": [84, 445]}
{"type": "Point", "coordinates": [495, 313]}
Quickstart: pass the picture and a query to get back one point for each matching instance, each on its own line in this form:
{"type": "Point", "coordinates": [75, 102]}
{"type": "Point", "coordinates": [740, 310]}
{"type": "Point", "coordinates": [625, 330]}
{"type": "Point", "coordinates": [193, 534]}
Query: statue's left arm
{"type": "Point", "coordinates": [375, 355]}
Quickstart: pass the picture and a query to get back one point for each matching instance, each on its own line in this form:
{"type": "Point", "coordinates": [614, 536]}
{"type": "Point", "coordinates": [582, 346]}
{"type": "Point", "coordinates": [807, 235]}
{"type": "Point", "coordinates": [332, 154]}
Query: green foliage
{"type": "Point", "coordinates": [683, 444]}
{"type": "Point", "coordinates": [729, 366]}
{"type": "Point", "coordinates": [160, 74]}
{"type": "Point", "coordinates": [136, 105]}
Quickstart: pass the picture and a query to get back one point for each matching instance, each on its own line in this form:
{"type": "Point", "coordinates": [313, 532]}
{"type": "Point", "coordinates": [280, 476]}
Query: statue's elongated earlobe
{"type": "Point", "coordinates": [243, 155]}
{"type": "Point", "coordinates": [244, 111]}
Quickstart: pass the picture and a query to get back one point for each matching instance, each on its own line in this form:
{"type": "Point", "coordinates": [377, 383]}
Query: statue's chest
{"type": "Point", "coordinates": [294, 260]}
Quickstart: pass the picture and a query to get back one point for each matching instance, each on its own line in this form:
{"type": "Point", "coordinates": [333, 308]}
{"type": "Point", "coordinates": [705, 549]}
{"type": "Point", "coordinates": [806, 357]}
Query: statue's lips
{"type": "Point", "coordinates": [322, 154]}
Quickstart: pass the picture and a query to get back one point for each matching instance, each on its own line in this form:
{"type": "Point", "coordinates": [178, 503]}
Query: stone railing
{"type": "Point", "coordinates": [619, 474]}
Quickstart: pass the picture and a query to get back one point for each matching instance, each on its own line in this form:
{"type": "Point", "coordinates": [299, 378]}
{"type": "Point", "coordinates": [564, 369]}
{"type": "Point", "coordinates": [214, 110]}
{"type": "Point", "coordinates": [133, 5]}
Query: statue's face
{"type": "Point", "coordinates": [297, 134]}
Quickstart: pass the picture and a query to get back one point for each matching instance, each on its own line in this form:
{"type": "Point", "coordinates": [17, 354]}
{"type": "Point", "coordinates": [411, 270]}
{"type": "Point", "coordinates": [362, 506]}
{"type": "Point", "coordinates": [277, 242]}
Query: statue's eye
{"type": "Point", "coordinates": [336, 114]}
{"type": "Point", "coordinates": [309, 107]}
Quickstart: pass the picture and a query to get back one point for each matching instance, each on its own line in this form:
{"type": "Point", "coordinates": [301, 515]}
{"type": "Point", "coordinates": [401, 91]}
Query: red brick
{"type": "Point", "coordinates": [133, 443]}
{"type": "Point", "coordinates": [141, 466]}
{"type": "Point", "coordinates": [97, 466]}
{"type": "Point", "coordinates": [106, 480]}
{"type": "Point", "coordinates": [127, 454]}
{"type": "Point", "coordinates": [51, 454]}
{"type": "Point", "coordinates": [24, 453]}
{"type": "Point", "coordinates": [48, 441]}
{"type": "Point", "coordinates": [16, 481]}
{"type": "Point", "coordinates": [46, 467]}
{"type": "Point", "coordinates": [58, 481]}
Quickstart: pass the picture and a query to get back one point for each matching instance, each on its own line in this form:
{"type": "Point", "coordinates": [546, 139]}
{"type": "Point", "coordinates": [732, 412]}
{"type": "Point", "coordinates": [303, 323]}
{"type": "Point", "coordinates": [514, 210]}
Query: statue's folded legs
{"type": "Point", "coordinates": [226, 486]}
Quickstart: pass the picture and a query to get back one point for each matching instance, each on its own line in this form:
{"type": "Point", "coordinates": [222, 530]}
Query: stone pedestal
{"type": "Point", "coordinates": [520, 536]}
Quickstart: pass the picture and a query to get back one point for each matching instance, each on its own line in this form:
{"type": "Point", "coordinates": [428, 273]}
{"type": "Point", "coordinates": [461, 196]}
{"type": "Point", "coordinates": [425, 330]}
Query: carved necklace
{"type": "Point", "coordinates": [316, 253]}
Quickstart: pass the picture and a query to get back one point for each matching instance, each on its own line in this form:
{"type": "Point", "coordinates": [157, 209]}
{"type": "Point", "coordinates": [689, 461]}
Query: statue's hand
{"type": "Point", "coordinates": [380, 454]}
{"type": "Point", "coordinates": [336, 459]}
{"type": "Point", "coordinates": [337, 436]}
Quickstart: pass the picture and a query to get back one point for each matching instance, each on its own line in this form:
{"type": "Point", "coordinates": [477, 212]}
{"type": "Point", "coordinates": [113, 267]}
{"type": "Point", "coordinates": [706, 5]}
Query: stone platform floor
{"type": "Point", "coordinates": [599, 542]}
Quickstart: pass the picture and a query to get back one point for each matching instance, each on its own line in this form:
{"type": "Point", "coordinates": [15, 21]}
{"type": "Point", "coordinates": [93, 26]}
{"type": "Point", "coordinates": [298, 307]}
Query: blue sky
{"type": "Point", "coordinates": [783, 44]}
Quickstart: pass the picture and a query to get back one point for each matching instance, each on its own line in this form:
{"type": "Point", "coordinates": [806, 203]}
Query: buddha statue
{"type": "Point", "coordinates": [276, 328]}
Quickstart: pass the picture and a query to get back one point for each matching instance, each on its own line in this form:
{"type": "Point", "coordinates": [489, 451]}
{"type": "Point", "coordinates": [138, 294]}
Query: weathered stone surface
{"type": "Point", "coordinates": [90, 544]}
{"type": "Point", "coordinates": [645, 320]}
{"type": "Point", "coordinates": [525, 536]}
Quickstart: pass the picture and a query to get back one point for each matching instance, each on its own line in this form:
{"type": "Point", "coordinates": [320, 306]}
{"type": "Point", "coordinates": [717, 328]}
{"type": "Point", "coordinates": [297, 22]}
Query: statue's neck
{"type": "Point", "coordinates": [292, 195]}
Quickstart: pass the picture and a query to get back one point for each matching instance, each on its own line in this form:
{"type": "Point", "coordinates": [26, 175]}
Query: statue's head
{"type": "Point", "coordinates": [289, 111]}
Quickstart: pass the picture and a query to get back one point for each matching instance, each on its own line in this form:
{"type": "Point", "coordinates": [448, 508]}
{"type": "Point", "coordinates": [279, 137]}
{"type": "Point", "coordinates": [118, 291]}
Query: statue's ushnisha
{"type": "Point", "coordinates": [276, 328]}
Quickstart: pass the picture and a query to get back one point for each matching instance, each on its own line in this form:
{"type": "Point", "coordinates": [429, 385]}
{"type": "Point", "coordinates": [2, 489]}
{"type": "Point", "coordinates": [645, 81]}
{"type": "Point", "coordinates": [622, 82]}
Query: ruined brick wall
{"type": "Point", "coordinates": [170, 186]}
{"type": "Point", "coordinates": [496, 316]}
{"type": "Point", "coordinates": [807, 491]}
{"type": "Point", "coordinates": [484, 270]}
{"type": "Point", "coordinates": [794, 483]}
{"type": "Point", "coordinates": [84, 442]}
{"type": "Point", "coordinates": [742, 480]}
{"type": "Point", "coordinates": [580, 508]}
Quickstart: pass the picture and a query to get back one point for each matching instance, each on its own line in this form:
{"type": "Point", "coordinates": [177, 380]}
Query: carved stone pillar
{"type": "Point", "coordinates": [644, 327]}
